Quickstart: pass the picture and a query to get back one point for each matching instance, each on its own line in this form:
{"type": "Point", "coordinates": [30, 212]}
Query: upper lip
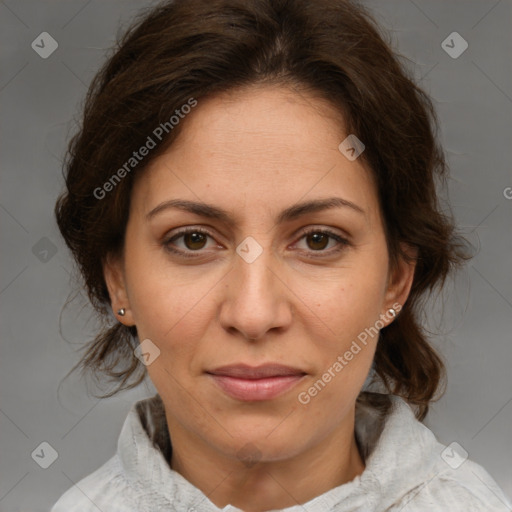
{"type": "Point", "coordinates": [244, 371]}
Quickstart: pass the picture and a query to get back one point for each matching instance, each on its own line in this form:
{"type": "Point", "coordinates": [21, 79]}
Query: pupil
{"type": "Point", "coordinates": [192, 239]}
{"type": "Point", "coordinates": [318, 238]}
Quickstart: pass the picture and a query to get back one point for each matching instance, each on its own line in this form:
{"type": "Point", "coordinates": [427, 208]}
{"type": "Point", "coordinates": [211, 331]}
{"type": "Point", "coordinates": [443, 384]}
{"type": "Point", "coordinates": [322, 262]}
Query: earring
{"type": "Point", "coordinates": [121, 312]}
{"type": "Point", "coordinates": [392, 312]}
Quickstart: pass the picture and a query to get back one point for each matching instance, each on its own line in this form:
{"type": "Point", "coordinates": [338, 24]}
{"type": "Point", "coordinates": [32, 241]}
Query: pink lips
{"type": "Point", "coordinates": [248, 383]}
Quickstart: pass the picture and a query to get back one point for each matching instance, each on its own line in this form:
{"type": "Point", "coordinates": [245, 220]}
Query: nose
{"type": "Point", "coordinates": [256, 300]}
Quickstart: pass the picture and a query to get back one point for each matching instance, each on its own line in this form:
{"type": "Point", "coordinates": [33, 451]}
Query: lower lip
{"type": "Point", "coordinates": [256, 389]}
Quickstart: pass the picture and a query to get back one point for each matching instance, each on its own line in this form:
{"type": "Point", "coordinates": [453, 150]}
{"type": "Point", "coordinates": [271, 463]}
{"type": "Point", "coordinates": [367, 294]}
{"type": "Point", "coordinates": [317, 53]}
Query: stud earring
{"type": "Point", "coordinates": [121, 312]}
{"type": "Point", "coordinates": [392, 312]}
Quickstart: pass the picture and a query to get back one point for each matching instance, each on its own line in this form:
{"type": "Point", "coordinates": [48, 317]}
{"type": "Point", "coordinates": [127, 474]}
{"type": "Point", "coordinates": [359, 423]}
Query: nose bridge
{"type": "Point", "coordinates": [255, 301]}
{"type": "Point", "coordinates": [253, 263]}
{"type": "Point", "coordinates": [255, 277]}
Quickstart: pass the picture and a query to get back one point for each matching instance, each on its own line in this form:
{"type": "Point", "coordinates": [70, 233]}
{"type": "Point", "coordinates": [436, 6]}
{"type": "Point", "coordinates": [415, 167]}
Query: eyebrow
{"type": "Point", "coordinates": [289, 214]}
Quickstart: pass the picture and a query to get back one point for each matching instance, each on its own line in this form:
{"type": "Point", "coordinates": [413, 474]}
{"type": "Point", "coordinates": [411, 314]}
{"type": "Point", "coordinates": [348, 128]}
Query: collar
{"type": "Point", "coordinates": [390, 438]}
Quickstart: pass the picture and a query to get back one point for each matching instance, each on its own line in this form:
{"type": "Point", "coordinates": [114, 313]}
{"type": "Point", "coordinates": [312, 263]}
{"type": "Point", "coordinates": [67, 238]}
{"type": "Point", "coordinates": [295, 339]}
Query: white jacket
{"type": "Point", "coordinates": [407, 470]}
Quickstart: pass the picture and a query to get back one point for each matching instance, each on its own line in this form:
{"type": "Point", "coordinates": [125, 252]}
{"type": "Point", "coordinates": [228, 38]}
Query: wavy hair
{"type": "Point", "coordinates": [186, 49]}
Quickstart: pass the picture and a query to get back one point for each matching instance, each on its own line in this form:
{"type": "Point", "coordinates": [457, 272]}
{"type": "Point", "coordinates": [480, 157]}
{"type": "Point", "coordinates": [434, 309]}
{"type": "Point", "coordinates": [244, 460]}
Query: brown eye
{"type": "Point", "coordinates": [194, 240]}
{"type": "Point", "coordinates": [317, 241]}
{"type": "Point", "coordinates": [322, 243]}
{"type": "Point", "coordinates": [188, 242]}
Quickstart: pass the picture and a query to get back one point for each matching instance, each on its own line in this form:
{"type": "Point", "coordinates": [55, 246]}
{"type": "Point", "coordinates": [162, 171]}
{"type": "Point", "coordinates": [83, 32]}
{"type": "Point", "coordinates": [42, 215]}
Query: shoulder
{"type": "Point", "coordinates": [105, 486]}
{"type": "Point", "coordinates": [469, 488]}
{"type": "Point", "coordinates": [413, 472]}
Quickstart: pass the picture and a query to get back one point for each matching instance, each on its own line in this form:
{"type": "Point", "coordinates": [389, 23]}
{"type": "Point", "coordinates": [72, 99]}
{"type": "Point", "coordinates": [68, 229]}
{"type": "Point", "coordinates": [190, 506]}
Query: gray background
{"type": "Point", "coordinates": [39, 100]}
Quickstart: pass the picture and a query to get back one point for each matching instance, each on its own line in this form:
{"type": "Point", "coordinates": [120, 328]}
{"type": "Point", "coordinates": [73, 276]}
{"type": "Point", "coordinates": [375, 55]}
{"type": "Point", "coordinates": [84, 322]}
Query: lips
{"type": "Point", "coordinates": [247, 383]}
{"type": "Point", "coordinates": [244, 371]}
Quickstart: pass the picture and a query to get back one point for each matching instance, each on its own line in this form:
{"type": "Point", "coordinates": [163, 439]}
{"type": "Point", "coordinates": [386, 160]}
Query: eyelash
{"type": "Point", "coordinates": [342, 242]}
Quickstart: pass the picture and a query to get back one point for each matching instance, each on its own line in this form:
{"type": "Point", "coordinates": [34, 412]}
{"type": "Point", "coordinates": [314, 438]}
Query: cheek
{"type": "Point", "coordinates": [346, 361]}
{"type": "Point", "coordinates": [164, 298]}
{"type": "Point", "coordinates": [173, 308]}
{"type": "Point", "coordinates": [346, 301]}
{"type": "Point", "coordinates": [348, 305]}
{"type": "Point", "coordinates": [171, 316]}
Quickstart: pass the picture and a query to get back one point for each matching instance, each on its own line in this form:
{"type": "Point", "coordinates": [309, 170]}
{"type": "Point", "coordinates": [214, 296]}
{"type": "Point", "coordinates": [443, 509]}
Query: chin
{"type": "Point", "coordinates": [252, 451]}
{"type": "Point", "coordinates": [270, 441]}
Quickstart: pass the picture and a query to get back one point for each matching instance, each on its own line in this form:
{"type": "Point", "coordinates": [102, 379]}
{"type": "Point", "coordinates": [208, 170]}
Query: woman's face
{"type": "Point", "coordinates": [285, 262]}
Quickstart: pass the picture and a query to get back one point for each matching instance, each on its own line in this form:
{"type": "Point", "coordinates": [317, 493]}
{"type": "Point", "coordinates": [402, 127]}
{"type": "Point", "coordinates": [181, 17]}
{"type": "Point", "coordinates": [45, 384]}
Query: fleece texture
{"type": "Point", "coordinates": [407, 470]}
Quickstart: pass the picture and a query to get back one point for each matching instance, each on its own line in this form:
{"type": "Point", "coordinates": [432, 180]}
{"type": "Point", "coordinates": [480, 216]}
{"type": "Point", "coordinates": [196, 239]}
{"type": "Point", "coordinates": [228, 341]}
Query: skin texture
{"type": "Point", "coordinates": [255, 152]}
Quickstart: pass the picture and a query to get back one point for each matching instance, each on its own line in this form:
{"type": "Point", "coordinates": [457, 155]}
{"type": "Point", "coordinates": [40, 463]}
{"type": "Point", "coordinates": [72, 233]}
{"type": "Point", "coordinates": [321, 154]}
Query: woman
{"type": "Point", "coordinates": [252, 193]}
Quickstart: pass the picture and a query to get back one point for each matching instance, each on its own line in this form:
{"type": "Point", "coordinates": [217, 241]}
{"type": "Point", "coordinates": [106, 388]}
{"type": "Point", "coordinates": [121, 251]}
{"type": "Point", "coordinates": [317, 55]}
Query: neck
{"type": "Point", "coordinates": [267, 485]}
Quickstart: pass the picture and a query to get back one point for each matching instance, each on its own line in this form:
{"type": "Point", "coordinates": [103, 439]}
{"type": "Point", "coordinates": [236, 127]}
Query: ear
{"type": "Point", "coordinates": [113, 272]}
{"type": "Point", "coordinates": [400, 279]}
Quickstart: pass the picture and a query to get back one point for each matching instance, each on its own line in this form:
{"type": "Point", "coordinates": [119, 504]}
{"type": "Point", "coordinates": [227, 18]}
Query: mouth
{"type": "Point", "coordinates": [265, 382]}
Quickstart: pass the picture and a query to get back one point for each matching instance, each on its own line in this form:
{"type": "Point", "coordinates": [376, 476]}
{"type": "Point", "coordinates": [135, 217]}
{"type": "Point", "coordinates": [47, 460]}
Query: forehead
{"type": "Point", "coordinates": [264, 145]}
{"type": "Point", "coordinates": [265, 120]}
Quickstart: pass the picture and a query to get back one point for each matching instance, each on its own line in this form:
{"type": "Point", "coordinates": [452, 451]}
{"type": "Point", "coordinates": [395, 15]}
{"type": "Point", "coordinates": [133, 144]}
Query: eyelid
{"type": "Point", "coordinates": [167, 239]}
{"type": "Point", "coordinates": [326, 230]}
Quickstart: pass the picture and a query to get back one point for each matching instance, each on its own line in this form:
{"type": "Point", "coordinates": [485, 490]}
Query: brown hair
{"type": "Point", "coordinates": [187, 49]}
